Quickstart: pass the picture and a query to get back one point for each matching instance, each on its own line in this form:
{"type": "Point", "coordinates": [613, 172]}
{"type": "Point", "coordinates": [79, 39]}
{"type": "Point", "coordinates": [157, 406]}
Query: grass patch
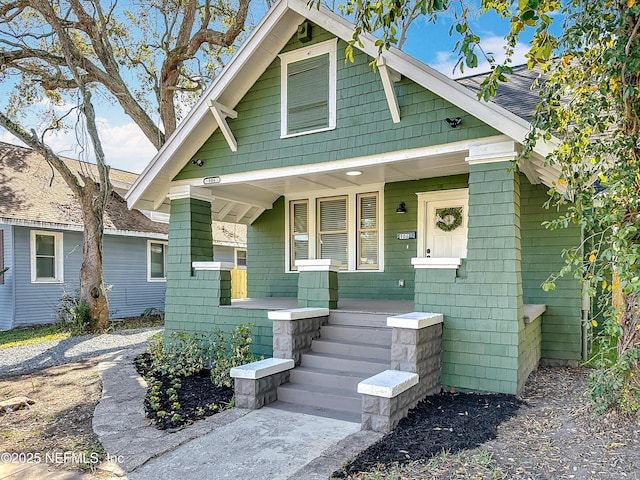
{"type": "Point", "coordinates": [60, 331]}
{"type": "Point", "coordinates": [27, 336]}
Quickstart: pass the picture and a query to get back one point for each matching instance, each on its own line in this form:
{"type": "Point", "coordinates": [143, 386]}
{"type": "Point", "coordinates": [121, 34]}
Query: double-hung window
{"type": "Point", "coordinates": [344, 228]}
{"type": "Point", "coordinates": [157, 261]}
{"type": "Point", "coordinates": [308, 89]}
{"type": "Point", "coordinates": [47, 265]}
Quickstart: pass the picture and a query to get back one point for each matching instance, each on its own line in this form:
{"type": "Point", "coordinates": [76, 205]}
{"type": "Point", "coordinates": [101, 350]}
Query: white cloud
{"type": "Point", "coordinates": [125, 147]}
{"type": "Point", "coordinates": [492, 44]}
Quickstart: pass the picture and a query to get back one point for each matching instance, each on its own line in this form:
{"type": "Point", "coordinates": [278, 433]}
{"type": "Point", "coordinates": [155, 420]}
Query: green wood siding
{"type": "Point", "coordinates": [364, 125]}
{"type": "Point", "coordinates": [266, 247]}
{"type": "Point", "coordinates": [542, 256]}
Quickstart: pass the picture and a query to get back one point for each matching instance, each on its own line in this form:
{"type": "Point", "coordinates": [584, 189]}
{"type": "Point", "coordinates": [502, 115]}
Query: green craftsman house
{"type": "Point", "coordinates": [374, 193]}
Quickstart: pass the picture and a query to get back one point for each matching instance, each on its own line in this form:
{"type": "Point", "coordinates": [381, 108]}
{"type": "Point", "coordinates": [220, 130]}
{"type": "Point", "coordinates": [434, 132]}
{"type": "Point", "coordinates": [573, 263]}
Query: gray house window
{"type": "Point", "coordinates": [46, 257]}
{"type": "Point", "coordinates": [1, 256]}
{"type": "Point", "coordinates": [157, 261]}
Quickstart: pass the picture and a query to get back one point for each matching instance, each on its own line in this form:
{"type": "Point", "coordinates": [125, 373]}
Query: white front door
{"type": "Point", "coordinates": [442, 224]}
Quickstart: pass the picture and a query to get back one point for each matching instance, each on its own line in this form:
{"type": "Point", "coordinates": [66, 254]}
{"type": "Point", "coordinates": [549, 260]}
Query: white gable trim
{"type": "Point", "coordinates": [388, 77]}
{"type": "Point", "coordinates": [220, 112]}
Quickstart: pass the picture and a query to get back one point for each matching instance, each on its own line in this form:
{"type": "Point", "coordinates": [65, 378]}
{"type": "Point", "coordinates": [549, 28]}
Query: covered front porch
{"type": "Point", "coordinates": [351, 305]}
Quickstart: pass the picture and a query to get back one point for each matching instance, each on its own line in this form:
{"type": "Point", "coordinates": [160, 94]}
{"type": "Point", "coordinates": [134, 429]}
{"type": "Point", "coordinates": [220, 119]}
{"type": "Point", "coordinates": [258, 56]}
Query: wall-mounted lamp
{"type": "Point", "coordinates": [197, 161]}
{"type": "Point", "coordinates": [402, 208]}
{"type": "Point", "coordinates": [454, 122]}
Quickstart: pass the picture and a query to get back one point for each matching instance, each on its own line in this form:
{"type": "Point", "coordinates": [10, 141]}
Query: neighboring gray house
{"type": "Point", "coordinates": [41, 243]}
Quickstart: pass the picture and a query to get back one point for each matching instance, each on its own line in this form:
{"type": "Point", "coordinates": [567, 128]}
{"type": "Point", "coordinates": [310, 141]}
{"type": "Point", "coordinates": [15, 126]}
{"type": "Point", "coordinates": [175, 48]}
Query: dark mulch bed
{"type": "Point", "coordinates": [197, 396]}
{"type": "Point", "coordinates": [450, 422]}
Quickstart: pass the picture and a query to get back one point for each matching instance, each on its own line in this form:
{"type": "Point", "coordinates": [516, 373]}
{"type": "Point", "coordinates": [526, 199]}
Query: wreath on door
{"type": "Point", "coordinates": [449, 219]}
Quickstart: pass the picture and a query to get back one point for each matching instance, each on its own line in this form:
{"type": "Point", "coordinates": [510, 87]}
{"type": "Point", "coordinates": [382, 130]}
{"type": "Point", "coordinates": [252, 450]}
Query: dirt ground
{"type": "Point", "coordinates": [56, 429]}
{"type": "Point", "coordinates": [553, 435]}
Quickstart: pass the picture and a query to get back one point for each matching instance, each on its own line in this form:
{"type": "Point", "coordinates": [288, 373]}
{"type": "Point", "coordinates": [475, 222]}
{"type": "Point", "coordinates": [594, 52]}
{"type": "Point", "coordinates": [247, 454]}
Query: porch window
{"type": "Point", "coordinates": [333, 238]}
{"type": "Point", "coordinates": [241, 258]}
{"type": "Point", "coordinates": [367, 231]}
{"type": "Point", "coordinates": [344, 227]}
{"type": "Point", "coordinates": [308, 89]}
{"type": "Point", "coordinates": [46, 257]}
{"type": "Point", "coordinates": [299, 222]}
{"type": "Point", "coordinates": [157, 261]}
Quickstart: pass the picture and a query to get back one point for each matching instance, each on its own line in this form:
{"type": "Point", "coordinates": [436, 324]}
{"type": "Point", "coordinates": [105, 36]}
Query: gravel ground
{"type": "Point", "coordinates": [27, 358]}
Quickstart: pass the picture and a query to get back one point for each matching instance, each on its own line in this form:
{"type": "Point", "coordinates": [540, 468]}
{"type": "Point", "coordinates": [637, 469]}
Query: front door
{"type": "Point", "coordinates": [442, 229]}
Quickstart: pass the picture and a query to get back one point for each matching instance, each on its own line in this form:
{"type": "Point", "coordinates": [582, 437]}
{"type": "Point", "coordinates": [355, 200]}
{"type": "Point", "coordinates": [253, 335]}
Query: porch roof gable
{"type": "Point", "coordinates": [263, 45]}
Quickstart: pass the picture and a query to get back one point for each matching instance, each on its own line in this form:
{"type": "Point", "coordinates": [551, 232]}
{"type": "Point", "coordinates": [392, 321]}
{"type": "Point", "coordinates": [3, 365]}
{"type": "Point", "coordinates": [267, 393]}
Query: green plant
{"type": "Point", "coordinates": [226, 354]}
{"type": "Point", "coordinates": [616, 384]}
{"type": "Point", "coordinates": [178, 354]}
{"type": "Point", "coordinates": [75, 314]}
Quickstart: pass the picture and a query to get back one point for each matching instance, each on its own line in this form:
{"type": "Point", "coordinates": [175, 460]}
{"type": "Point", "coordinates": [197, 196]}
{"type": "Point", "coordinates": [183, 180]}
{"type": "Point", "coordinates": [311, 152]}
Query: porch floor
{"type": "Point", "coordinates": [365, 305]}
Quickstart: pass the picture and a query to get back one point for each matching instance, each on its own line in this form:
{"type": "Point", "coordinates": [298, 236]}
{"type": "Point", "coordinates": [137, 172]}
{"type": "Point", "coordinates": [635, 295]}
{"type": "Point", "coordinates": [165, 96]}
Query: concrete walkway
{"type": "Point", "coordinates": [265, 444]}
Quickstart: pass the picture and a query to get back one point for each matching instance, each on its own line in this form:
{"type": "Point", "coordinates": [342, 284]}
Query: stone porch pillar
{"type": "Point", "coordinates": [318, 283]}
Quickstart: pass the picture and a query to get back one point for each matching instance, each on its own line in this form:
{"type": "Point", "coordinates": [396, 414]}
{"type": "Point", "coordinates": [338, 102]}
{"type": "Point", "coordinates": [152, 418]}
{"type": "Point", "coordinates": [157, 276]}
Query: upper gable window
{"type": "Point", "coordinates": [308, 89]}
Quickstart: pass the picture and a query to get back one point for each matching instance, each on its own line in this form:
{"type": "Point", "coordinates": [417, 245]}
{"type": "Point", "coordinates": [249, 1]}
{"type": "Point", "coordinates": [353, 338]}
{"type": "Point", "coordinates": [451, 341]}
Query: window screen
{"type": "Point", "coordinates": [368, 231]}
{"type": "Point", "coordinates": [299, 231]}
{"type": "Point", "coordinates": [333, 241]}
{"type": "Point", "coordinates": [157, 259]}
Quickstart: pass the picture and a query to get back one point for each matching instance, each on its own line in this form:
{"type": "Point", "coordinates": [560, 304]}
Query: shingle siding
{"type": "Point", "coordinates": [541, 256]}
{"type": "Point", "coordinates": [364, 125]}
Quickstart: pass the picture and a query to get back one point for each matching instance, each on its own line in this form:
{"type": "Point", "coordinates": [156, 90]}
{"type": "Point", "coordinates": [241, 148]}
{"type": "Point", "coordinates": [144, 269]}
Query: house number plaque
{"type": "Point", "coordinates": [406, 235]}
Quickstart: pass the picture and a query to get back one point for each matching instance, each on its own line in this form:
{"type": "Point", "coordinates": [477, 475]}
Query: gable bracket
{"type": "Point", "coordinates": [220, 113]}
{"type": "Point", "coordinates": [389, 77]}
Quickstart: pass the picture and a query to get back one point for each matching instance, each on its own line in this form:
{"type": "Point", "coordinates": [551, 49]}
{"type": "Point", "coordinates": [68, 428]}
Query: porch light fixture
{"type": "Point", "coordinates": [354, 173]}
{"type": "Point", "coordinates": [197, 161]}
{"type": "Point", "coordinates": [402, 208]}
{"type": "Point", "coordinates": [454, 122]}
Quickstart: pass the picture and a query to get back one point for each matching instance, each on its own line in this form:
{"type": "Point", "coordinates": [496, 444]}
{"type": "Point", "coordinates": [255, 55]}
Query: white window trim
{"type": "Point", "coordinates": [59, 260]}
{"type": "Point", "coordinates": [351, 193]}
{"type": "Point", "coordinates": [235, 258]}
{"type": "Point", "coordinates": [149, 278]}
{"type": "Point", "coordinates": [330, 47]}
{"type": "Point", "coordinates": [436, 196]}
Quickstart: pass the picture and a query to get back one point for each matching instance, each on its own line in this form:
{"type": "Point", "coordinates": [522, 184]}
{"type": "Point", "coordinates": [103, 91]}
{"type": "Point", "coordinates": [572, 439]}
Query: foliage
{"type": "Point", "coordinates": [182, 354]}
{"type": "Point", "coordinates": [75, 314]}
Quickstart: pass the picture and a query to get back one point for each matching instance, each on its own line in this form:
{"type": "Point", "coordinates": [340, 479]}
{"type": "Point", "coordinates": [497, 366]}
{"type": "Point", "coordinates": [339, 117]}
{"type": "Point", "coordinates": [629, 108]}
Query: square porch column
{"type": "Point", "coordinates": [318, 283]}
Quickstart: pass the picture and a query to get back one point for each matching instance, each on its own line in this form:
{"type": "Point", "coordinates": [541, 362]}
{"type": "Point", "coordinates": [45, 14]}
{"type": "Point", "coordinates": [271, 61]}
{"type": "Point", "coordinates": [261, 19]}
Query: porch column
{"type": "Point", "coordinates": [481, 296]}
{"type": "Point", "coordinates": [190, 294]}
{"type": "Point", "coordinates": [318, 283]}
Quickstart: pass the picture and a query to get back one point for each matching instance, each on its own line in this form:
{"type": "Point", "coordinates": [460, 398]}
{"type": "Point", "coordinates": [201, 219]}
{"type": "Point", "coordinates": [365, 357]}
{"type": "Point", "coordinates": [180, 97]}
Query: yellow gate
{"type": "Point", "coordinates": [238, 283]}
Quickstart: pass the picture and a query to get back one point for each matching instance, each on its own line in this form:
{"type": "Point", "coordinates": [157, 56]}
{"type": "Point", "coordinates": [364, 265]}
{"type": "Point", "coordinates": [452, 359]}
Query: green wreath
{"type": "Point", "coordinates": [449, 219]}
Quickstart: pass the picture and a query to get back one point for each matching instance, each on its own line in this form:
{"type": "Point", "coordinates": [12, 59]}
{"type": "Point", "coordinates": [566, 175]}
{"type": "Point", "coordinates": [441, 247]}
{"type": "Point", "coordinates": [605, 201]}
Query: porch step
{"type": "Point", "coordinates": [327, 378]}
{"type": "Point", "coordinates": [363, 319]}
{"type": "Point", "coordinates": [344, 363]}
{"type": "Point", "coordinates": [346, 333]}
{"type": "Point", "coordinates": [341, 347]}
{"type": "Point", "coordinates": [321, 396]}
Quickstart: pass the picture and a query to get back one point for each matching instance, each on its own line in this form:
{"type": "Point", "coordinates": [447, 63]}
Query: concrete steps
{"type": "Point", "coordinates": [351, 347]}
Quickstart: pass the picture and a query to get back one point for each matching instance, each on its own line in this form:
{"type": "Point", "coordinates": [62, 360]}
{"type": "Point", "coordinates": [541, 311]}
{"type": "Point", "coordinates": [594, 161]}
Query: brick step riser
{"type": "Point", "coordinates": [356, 335]}
{"type": "Point", "coordinates": [315, 399]}
{"type": "Point", "coordinates": [366, 351]}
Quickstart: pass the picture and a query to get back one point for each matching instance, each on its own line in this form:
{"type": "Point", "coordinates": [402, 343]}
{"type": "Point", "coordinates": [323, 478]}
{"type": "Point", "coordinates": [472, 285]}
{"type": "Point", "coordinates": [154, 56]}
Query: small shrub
{"type": "Point", "coordinates": [179, 354]}
{"type": "Point", "coordinates": [618, 384]}
{"type": "Point", "coordinates": [74, 312]}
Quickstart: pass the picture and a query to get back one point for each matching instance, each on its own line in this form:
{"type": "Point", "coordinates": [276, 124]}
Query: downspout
{"type": "Point", "coordinates": [586, 309]}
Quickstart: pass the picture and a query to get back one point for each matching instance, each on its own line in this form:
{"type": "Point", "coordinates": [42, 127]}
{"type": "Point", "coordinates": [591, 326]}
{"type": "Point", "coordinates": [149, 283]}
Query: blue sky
{"type": "Point", "coordinates": [126, 148]}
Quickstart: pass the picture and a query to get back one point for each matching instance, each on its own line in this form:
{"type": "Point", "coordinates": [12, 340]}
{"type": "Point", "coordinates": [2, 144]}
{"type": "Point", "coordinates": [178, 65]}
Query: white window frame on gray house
{"type": "Point", "coordinates": [56, 256]}
{"type": "Point", "coordinates": [240, 258]}
{"type": "Point", "coordinates": [308, 83]}
{"type": "Point", "coordinates": [304, 236]}
{"type": "Point", "coordinates": [150, 277]}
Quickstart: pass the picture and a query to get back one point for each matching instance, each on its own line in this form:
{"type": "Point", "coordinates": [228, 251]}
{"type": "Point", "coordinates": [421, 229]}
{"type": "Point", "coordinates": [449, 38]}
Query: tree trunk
{"type": "Point", "coordinates": [92, 288]}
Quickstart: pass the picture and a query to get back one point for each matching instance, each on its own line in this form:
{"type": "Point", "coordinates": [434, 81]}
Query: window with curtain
{"type": "Point", "coordinates": [157, 270]}
{"type": "Point", "coordinates": [299, 227]}
{"type": "Point", "coordinates": [308, 94]}
{"type": "Point", "coordinates": [333, 237]}
{"type": "Point", "coordinates": [367, 231]}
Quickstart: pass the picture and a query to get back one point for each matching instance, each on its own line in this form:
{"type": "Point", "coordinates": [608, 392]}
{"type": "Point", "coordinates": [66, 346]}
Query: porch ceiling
{"type": "Point", "coordinates": [241, 198]}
